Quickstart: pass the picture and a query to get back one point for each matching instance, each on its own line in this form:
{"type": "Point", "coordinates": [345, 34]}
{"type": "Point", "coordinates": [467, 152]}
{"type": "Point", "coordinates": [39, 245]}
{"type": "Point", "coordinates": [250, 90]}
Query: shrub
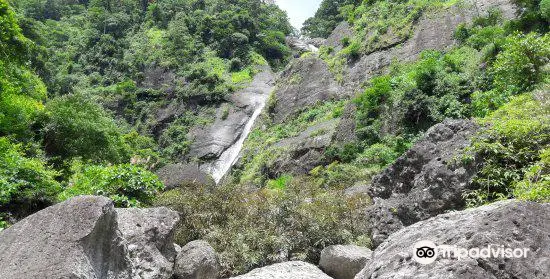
{"type": "Point", "coordinates": [26, 184]}
{"type": "Point", "coordinates": [545, 9]}
{"type": "Point", "coordinates": [519, 67]}
{"type": "Point", "coordinates": [127, 185]}
{"type": "Point", "coordinates": [352, 51]}
{"type": "Point", "coordinates": [75, 126]}
{"type": "Point", "coordinates": [535, 186]}
{"type": "Point", "coordinates": [368, 106]}
{"type": "Point", "coordinates": [253, 228]}
{"type": "Point", "coordinates": [511, 148]}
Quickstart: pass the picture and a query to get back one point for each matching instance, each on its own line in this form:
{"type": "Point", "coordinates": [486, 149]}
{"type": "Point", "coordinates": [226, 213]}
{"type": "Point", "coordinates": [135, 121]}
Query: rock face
{"type": "Point", "coordinates": [86, 238]}
{"type": "Point", "coordinates": [424, 182]}
{"type": "Point", "coordinates": [344, 261]}
{"type": "Point", "coordinates": [433, 31]}
{"type": "Point", "coordinates": [305, 151]}
{"type": "Point", "coordinates": [342, 30]}
{"type": "Point", "coordinates": [148, 235]}
{"type": "Point", "coordinates": [178, 175]}
{"type": "Point", "coordinates": [287, 270]}
{"type": "Point", "coordinates": [304, 83]}
{"type": "Point", "coordinates": [211, 141]}
{"type": "Point", "coordinates": [513, 224]}
{"type": "Point", "coordinates": [197, 260]}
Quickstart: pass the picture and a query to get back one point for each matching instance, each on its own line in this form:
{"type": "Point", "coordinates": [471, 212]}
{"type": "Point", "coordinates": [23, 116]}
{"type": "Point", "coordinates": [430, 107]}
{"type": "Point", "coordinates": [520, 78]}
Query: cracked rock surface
{"type": "Point", "coordinates": [514, 224]}
{"type": "Point", "coordinates": [86, 238]}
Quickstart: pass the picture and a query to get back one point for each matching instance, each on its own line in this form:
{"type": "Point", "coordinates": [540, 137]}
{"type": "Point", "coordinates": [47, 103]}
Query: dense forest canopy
{"type": "Point", "coordinates": [80, 81]}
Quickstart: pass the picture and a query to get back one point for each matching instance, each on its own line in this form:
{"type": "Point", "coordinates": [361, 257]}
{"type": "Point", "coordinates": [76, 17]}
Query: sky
{"type": "Point", "coordinates": [299, 10]}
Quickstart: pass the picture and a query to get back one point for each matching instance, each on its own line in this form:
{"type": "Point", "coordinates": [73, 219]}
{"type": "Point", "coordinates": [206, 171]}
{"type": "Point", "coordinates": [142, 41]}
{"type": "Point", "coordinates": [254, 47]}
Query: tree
{"type": "Point", "coordinates": [75, 126]}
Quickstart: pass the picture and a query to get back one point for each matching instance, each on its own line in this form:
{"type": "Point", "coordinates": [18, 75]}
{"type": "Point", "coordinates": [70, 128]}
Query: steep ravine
{"type": "Point", "coordinates": [248, 104]}
{"type": "Point", "coordinates": [222, 142]}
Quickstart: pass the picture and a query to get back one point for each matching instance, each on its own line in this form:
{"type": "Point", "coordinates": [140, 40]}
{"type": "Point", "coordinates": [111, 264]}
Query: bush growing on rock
{"type": "Point", "coordinates": [514, 151]}
{"type": "Point", "coordinates": [26, 184]}
{"type": "Point", "coordinates": [252, 228]}
{"type": "Point", "coordinates": [127, 185]}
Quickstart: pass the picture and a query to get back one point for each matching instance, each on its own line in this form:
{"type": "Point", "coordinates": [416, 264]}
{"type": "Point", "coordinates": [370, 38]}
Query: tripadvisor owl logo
{"type": "Point", "coordinates": [425, 252]}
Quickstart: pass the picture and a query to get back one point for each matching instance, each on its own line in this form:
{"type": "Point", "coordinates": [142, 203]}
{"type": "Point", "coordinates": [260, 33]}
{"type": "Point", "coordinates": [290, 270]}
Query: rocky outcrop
{"type": "Point", "coordinates": [149, 240]}
{"type": "Point", "coordinates": [305, 151]}
{"type": "Point", "coordinates": [433, 31]}
{"type": "Point", "coordinates": [344, 261]}
{"type": "Point", "coordinates": [342, 30]}
{"type": "Point", "coordinates": [85, 237]}
{"type": "Point", "coordinates": [211, 141]}
{"type": "Point", "coordinates": [304, 83]}
{"type": "Point", "coordinates": [301, 45]}
{"type": "Point", "coordinates": [182, 175]}
{"type": "Point", "coordinates": [294, 270]}
{"type": "Point", "coordinates": [197, 260]}
{"type": "Point", "coordinates": [513, 224]}
{"type": "Point", "coordinates": [424, 182]}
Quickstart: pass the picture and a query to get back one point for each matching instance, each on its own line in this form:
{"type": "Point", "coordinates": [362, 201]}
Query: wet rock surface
{"type": "Point", "coordinates": [211, 141]}
{"type": "Point", "coordinates": [423, 182]}
{"type": "Point", "coordinates": [513, 224]}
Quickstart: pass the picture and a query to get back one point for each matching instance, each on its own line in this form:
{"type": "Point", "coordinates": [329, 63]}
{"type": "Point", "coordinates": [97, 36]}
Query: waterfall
{"type": "Point", "coordinates": [229, 157]}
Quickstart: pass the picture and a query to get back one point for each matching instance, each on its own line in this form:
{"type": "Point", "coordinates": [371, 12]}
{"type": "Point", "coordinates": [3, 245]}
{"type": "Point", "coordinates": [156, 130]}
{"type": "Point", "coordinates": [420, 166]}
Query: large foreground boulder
{"type": "Point", "coordinates": [149, 240]}
{"type": "Point", "coordinates": [287, 270]}
{"type": "Point", "coordinates": [85, 237]}
{"type": "Point", "coordinates": [197, 260]}
{"type": "Point", "coordinates": [344, 261]}
{"type": "Point", "coordinates": [508, 224]}
{"type": "Point", "coordinates": [426, 181]}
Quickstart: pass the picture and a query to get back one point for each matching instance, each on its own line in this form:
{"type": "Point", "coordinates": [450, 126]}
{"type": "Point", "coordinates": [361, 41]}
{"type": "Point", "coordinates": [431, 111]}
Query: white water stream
{"type": "Point", "coordinates": [229, 157]}
{"type": "Point", "coordinates": [257, 99]}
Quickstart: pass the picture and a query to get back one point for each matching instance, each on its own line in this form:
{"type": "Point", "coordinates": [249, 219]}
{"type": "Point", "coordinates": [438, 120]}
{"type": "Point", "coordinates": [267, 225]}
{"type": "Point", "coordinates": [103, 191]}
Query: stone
{"type": "Point", "coordinates": [197, 260]}
{"type": "Point", "coordinates": [86, 238]}
{"type": "Point", "coordinates": [181, 175]}
{"type": "Point", "coordinates": [286, 270]}
{"type": "Point", "coordinates": [305, 82]}
{"type": "Point", "coordinates": [302, 153]}
{"type": "Point", "coordinates": [342, 30]}
{"type": "Point", "coordinates": [149, 238]}
{"type": "Point", "coordinates": [433, 31]}
{"type": "Point", "coordinates": [423, 182]}
{"type": "Point", "coordinates": [514, 224]}
{"type": "Point", "coordinates": [344, 261]}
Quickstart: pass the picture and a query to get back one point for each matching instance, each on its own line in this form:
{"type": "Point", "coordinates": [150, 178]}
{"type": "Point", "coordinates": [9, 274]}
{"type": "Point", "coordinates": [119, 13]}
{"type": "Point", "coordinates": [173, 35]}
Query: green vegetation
{"type": "Point", "coordinates": [256, 228]}
{"type": "Point", "coordinates": [97, 95]}
{"type": "Point", "coordinates": [259, 148]}
{"type": "Point", "coordinates": [514, 150]}
{"type": "Point", "coordinates": [127, 185]}
{"type": "Point", "coordinates": [26, 183]}
{"type": "Point", "coordinates": [82, 84]}
{"type": "Point", "coordinates": [329, 14]}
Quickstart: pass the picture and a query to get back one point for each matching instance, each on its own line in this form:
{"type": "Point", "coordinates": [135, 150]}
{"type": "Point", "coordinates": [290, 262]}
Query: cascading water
{"type": "Point", "coordinates": [229, 157]}
{"type": "Point", "coordinates": [256, 96]}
